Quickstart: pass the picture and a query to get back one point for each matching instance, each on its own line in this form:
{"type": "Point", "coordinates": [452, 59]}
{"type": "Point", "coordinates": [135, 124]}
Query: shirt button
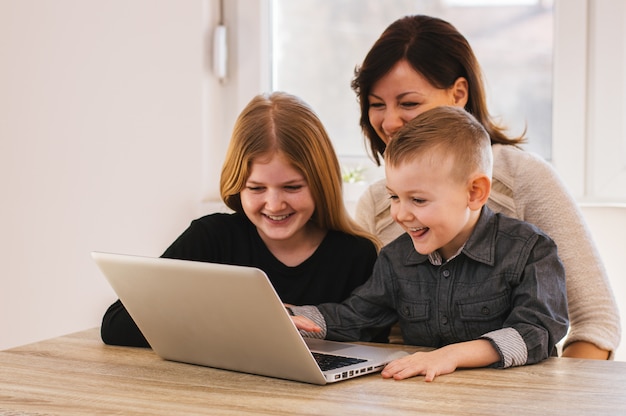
{"type": "Point", "coordinates": [444, 320]}
{"type": "Point", "coordinates": [485, 310]}
{"type": "Point", "coordinates": [446, 273]}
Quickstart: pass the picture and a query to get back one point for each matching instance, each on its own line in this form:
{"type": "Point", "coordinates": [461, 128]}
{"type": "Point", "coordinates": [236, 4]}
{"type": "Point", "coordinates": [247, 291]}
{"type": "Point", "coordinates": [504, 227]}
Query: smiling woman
{"type": "Point", "coordinates": [521, 97]}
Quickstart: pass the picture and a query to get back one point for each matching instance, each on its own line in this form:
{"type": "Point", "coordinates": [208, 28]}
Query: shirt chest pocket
{"type": "Point", "coordinates": [482, 316]}
{"type": "Point", "coordinates": [414, 318]}
{"type": "Point", "coordinates": [414, 311]}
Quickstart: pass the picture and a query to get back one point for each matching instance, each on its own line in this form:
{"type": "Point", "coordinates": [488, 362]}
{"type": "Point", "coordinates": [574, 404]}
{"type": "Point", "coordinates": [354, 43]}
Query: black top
{"type": "Point", "coordinates": [340, 264]}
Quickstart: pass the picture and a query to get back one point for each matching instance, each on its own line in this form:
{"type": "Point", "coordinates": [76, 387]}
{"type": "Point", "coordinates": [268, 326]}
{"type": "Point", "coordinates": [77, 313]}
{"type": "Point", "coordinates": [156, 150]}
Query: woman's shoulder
{"type": "Point", "coordinates": [512, 158]}
{"type": "Point", "coordinates": [377, 188]}
{"type": "Point", "coordinates": [517, 169]}
{"type": "Point", "coordinates": [374, 199]}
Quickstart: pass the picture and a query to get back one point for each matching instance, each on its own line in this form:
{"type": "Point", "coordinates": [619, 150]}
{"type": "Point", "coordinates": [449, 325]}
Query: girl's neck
{"type": "Point", "coordinates": [297, 249]}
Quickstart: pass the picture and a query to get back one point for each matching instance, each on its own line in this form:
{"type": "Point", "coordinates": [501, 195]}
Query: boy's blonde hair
{"type": "Point", "coordinates": [446, 131]}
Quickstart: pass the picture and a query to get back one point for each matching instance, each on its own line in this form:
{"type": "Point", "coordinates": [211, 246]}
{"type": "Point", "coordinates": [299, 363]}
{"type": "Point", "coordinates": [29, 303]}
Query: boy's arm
{"type": "Point", "coordinates": [370, 308]}
{"type": "Point", "coordinates": [470, 354]}
{"type": "Point", "coordinates": [312, 323]}
{"type": "Point", "coordinates": [538, 319]}
{"type": "Point", "coordinates": [361, 317]}
{"type": "Point", "coordinates": [308, 320]}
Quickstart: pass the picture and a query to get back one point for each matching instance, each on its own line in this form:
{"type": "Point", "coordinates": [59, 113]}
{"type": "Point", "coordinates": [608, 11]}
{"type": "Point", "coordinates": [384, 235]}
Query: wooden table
{"type": "Point", "coordinates": [78, 375]}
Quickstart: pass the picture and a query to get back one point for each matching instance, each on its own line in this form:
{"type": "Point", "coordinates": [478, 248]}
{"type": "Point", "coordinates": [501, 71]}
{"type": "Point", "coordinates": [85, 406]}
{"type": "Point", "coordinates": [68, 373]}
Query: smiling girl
{"type": "Point", "coordinates": [282, 179]}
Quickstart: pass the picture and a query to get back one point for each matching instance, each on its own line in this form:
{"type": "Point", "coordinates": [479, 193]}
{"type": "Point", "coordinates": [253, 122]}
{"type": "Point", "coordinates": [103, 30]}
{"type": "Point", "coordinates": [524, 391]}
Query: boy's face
{"type": "Point", "coordinates": [430, 205]}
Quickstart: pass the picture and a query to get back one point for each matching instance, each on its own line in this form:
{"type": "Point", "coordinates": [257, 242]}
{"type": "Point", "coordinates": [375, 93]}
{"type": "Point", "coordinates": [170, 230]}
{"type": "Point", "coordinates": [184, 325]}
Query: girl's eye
{"type": "Point", "coordinates": [419, 201]}
{"type": "Point", "coordinates": [255, 188]}
{"type": "Point", "coordinates": [293, 187]}
{"type": "Point", "coordinates": [393, 197]}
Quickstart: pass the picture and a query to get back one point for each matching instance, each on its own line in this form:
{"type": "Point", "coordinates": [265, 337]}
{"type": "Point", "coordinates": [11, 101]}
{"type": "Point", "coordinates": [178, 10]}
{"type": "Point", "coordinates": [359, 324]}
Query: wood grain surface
{"type": "Point", "coordinates": [77, 374]}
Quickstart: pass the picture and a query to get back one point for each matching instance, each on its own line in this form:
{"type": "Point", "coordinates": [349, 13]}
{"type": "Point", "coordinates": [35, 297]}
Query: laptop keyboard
{"type": "Point", "coordinates": [332, 362]}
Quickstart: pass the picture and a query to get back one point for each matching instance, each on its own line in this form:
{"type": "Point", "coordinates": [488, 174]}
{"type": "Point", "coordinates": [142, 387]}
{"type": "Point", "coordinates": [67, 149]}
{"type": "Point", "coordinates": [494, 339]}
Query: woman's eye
{"type": "Point", "coordinates": [376, 105]}
{"type": "Point", "coordinates": [255, 188]}
{"type": "Point", "coordinates": [409, 104]}
{"type": "Point", "coordinates": [393, 197]}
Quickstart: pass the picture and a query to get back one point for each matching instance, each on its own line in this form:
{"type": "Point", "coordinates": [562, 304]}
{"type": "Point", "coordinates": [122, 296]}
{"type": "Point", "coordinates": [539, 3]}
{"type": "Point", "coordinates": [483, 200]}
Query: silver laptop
{"type": "Point", "coordinates": [227, 317]}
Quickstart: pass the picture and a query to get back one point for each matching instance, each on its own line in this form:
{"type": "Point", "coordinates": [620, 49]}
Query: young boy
{"type": "Point", "coordinates": [482, 288]}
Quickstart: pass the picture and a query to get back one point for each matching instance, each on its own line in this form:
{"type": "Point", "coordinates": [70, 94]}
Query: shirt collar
{"type": "Point", "coordinates": [436, 260]}
{"type": "Point", "coordinates": [480, 246]}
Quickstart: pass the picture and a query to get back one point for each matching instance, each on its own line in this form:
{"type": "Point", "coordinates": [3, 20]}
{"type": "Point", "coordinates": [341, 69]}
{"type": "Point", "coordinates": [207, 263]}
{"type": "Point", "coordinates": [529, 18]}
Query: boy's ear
{"type": "Point", "coordinates": [479, 190]}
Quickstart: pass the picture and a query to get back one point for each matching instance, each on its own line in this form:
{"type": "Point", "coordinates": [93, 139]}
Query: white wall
{"type": "Point", "coordinates": [103, 127]}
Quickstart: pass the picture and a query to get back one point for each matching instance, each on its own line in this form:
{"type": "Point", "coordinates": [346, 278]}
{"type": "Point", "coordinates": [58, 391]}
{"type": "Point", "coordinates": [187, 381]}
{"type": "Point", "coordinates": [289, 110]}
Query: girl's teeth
{"type": "Point", "coordinates": [277, 217]}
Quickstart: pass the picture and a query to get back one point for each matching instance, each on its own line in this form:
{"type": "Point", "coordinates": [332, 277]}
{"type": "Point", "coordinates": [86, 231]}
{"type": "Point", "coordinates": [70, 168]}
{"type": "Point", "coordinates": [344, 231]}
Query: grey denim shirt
{"type": "Point", "coordinates": [506, 285]}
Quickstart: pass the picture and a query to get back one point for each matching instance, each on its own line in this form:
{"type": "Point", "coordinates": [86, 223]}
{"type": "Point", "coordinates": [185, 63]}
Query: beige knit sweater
{"type": "Point", "coordinates": [528, 188]}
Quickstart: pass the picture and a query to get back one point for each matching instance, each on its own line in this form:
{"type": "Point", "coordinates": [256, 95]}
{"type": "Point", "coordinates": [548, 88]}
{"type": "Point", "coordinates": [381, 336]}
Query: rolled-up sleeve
{"type": "Point", "coordinates": [539, 316]}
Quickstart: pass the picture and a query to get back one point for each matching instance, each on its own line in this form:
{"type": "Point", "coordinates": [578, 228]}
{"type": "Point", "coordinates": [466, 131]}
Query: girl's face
{"type": "Point", "coordinates": [430, 205]}
{"type": "Point", "coordinates": [402, 94]}
{"type": "Point", "coordinates": [277, 200]}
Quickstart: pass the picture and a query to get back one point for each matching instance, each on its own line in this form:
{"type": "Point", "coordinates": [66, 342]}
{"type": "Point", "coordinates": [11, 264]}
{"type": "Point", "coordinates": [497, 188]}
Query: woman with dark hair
{"type": "Point", "coordinates": [420, 62]}
{"type": "Point", "coordinates": [282, 179]}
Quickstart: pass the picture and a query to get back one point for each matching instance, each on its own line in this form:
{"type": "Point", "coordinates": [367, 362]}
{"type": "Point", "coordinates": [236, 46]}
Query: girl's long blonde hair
{"type": "Point", "coordinates": [281, 122]}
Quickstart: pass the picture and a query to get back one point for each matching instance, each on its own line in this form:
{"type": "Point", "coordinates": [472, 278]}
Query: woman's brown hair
{"type": "Point", "coordinates": [435, 49]}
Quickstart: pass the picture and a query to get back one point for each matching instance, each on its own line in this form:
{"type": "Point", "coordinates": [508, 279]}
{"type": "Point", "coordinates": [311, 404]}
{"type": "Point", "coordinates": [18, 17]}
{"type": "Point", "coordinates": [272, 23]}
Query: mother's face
{"type": "Point", "coordinates": [403, 93]}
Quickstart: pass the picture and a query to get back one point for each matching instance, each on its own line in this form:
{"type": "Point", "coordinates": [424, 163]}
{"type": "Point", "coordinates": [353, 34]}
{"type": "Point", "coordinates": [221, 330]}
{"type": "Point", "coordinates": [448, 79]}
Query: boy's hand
{"type": "Point", "coordinates": [469, 354]}
{"type": "Point", "coordinates": [429, 364]}
{"type": "Point", "coordinates": [305, 324]}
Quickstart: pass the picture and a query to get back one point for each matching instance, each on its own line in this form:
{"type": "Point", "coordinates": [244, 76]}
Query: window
{"type": "Point", "coordinates": [579, 124]}
{"type": "Point", "coordinates": [606, 116]}
{"type": "Point", "coordinates": [316, 45]}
